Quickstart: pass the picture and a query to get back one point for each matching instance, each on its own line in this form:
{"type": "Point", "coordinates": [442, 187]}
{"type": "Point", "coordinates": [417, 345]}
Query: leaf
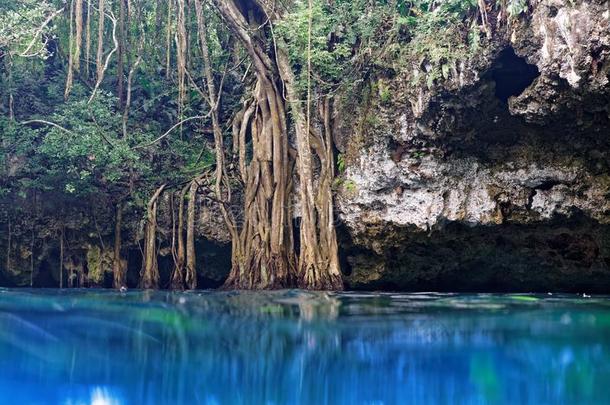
{"type": "Point", "coordinates": [445, 71]}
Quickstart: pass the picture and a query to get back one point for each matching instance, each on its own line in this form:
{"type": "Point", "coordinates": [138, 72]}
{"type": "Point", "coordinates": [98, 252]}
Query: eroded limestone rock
{"type": "Point", "coordinates": [456, 159]}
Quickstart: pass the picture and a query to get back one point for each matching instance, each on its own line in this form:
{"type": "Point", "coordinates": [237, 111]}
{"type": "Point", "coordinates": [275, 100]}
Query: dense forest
{"type": "Point", "coordinates": [136, 134]}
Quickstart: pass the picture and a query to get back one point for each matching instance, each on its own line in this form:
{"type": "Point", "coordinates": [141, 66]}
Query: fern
{"type": "Point", "coordinates": [341, 163]}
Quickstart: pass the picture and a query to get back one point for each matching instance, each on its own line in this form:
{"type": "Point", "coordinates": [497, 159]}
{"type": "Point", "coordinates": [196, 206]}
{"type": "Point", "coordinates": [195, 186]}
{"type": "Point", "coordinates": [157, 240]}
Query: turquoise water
{"type": "Point", "coordinates": [291, 347]}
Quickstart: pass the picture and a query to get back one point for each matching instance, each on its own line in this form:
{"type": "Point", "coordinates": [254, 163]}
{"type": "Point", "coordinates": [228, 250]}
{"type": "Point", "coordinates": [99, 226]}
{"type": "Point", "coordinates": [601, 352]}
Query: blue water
{"type": "Point", "coordinates": [291, 347]}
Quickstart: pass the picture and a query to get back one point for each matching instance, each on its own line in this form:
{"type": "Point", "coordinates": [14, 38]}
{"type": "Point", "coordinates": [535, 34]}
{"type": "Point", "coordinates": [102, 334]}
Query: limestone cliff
{"type": "Point", "coordinates": [497, 177]}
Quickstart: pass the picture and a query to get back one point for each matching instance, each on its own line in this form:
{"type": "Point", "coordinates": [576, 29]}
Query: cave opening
{"type": "Point", "coordinates": [213, 263]}
{"type": "Point", "coordinates": [296, 226]}
{"type": "Point", "coordinates": [512, 74]}
{"type": "Point", "coordinates": [347, 250]}
{"type": "Point", "coordinates": [134, 266]}
{"type": "Point", "coordinates": [47, 273]}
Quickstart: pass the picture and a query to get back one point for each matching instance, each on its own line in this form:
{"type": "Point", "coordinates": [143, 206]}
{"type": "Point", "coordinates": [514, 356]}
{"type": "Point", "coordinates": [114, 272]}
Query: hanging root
{"type": "Point", "coordinates": [149, 277]}
{"type": "Point", "coordinates": [177, 279]}
{"type": "Point", "coordinates": [484, 19]}
{"type": "Point", "coordinates": [262, 272]}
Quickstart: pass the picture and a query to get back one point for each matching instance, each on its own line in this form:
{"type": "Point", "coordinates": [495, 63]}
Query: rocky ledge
{"type": "Point", "coordinates": [498, 178]}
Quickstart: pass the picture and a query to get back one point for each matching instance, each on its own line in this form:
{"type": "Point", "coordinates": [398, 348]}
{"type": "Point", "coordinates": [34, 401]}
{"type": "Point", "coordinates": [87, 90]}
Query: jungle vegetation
{"type": "Point", "coordinates": [118, 102]}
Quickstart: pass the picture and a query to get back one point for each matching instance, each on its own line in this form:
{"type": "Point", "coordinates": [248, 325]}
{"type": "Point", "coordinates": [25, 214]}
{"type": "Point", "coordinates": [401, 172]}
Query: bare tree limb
{"type": "Point", "coordinates": [47, 123]}
{"type": "Point", "coordinates": [101, 73]}
{"type": "Point", "coordinates": [132, 71]}
{"type": "Point", "coordinates": [38, 32]}
{"type": "Point", "coordinates": [171, 129]}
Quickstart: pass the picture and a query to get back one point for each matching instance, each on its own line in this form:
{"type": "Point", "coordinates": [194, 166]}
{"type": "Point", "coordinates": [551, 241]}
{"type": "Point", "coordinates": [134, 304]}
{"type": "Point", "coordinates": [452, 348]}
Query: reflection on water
{"type": "Point", "coordinates": [291, 347]}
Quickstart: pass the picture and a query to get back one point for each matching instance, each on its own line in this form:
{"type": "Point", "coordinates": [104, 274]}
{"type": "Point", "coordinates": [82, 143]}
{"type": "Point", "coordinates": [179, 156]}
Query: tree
{"type": "Point", "coordinates": [267, 258]}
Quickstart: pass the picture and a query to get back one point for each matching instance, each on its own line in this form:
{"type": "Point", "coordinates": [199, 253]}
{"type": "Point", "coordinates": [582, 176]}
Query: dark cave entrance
{"type": "Point", "coordinates": [296, 226]}
{"type": "Point", "coordinates": [134, 265]}
{"type": "Point", "coordinates": [213, 263]}
{"type": "Point", "coordinates": [46, 275]}
{"type": "Point", "coordinates": [512, 74]}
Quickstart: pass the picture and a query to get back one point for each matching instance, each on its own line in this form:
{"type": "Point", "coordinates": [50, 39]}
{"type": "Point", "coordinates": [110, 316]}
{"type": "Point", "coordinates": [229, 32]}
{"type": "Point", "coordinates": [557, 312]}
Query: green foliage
{"type": "Point", "coordinates": [345, 37]}
{"type": "Point", "coordinates": [19, 26]}
{"type": "Point", "coordinates": [341, 163]}
{"type": "Point", "coordinates": [349, 37]}
{"type": "Point", "coordinates": [438, 43]}
{"type": "Point", "coordinates": [418, 154]}
{"type": "Point", "coordinates": [349, 186]}
{"type": "Point", "coordinates": [385, 94]}
{"type": "Point", "coordinates": [474, 37]}
{"type": "Point", "coordinates": [92, 156]}
{"type": "Point", "coordinates": [516, 7]}
{"type": "Point", "coordinates": [357, 46]}
{"type": "Point", "coordinates": [326, 62]}
{"type": "Point", "coordinates": [344, 185]}
{"type": "Point", "coordinates": [87, 156]}
{"type": "Point", "coordinates": [372, 120]}
{"type": "Point", "coordinates": [443, 14]}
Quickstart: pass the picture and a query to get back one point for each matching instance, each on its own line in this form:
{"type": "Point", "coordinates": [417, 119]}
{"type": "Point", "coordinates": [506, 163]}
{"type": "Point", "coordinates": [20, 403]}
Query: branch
{"type": "Point", "coordinates": [99, 127]}
{"type": "Point", "coordinates": [39, 31]}
{"type": "Point", "coordinates": [196, 87]}
{"type": "Point", "coordinates": [131, 74]}
{"type": "Point", "coordinates": [170, 130]}
{"type": "Point", "coordinates": [47, 123]}
{"type": "Point", "coordinates": [38, 52]}
{"type": "Point", "coordinates": [156, 195]}
{"type": "Point", "coordinates": [220, 86]}
{"type": "Point", "coordinates": [100, 76]}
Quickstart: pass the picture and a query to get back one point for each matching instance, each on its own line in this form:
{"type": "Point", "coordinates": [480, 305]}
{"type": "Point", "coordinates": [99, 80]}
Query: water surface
{"type": "Point", "coordinates": [293, 347]}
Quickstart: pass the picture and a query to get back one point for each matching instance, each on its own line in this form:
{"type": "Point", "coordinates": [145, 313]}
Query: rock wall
{"type": "Point", "coordinates": [497, 178]}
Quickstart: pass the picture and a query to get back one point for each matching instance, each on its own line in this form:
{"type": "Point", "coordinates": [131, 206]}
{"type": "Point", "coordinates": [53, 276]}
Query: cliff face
{"type": "Point", "coordinates": [497, 177]}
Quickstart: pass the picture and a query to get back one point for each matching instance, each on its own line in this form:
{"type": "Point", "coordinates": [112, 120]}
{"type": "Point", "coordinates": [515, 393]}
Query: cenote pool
{"type": "Point", "coordinates": [293, 347]}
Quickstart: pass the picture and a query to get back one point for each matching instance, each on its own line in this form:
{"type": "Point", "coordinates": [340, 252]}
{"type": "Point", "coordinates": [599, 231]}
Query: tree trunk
{"type": "Point", "coordinates": [220, 173]}
{"type": "Point", "coordinates": [32, 258]}
{"type": "Point", "coordinates": [266, 241]}
{"type": "Point", "coordinates": [75, 43]}
{"type": "Point", "coordinates": [11, 99]}
{"type": "Point", "coordinates": [131, 74]}
{"type": "Point", "coordinates": [100, 40]}
{"type": "Point", "coordinates": [119, 279]}
{"type": "Point", "coordinates": [101, 68]}
{"type": "Point", "coordinates": [265, 256]}
{"type": "Point", "coordinates": [150, 271]}
{"type": "Point", "coordinates": [191, 269]}
{"type": "Point", "coordinates": [121, 55]}
{"type": "Point", "coordinates": [78, 15]}
{"type": "Point", "coordinates": [177, 280]}
{"type": "Point", "coordinates": [61, 257]}
{"type": "Point", "coordinates": [318, 259]}
{"type": "Point", "coordinates": [70, 75]}
{"type": "Point", "coordinates": [168, 41]}
{"type": "Point", "coordinates": [8, 246]}
{"type": "Point", "coordinates": [88, 40]}
{"type": "Point", "coordinates": [181, 56]}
